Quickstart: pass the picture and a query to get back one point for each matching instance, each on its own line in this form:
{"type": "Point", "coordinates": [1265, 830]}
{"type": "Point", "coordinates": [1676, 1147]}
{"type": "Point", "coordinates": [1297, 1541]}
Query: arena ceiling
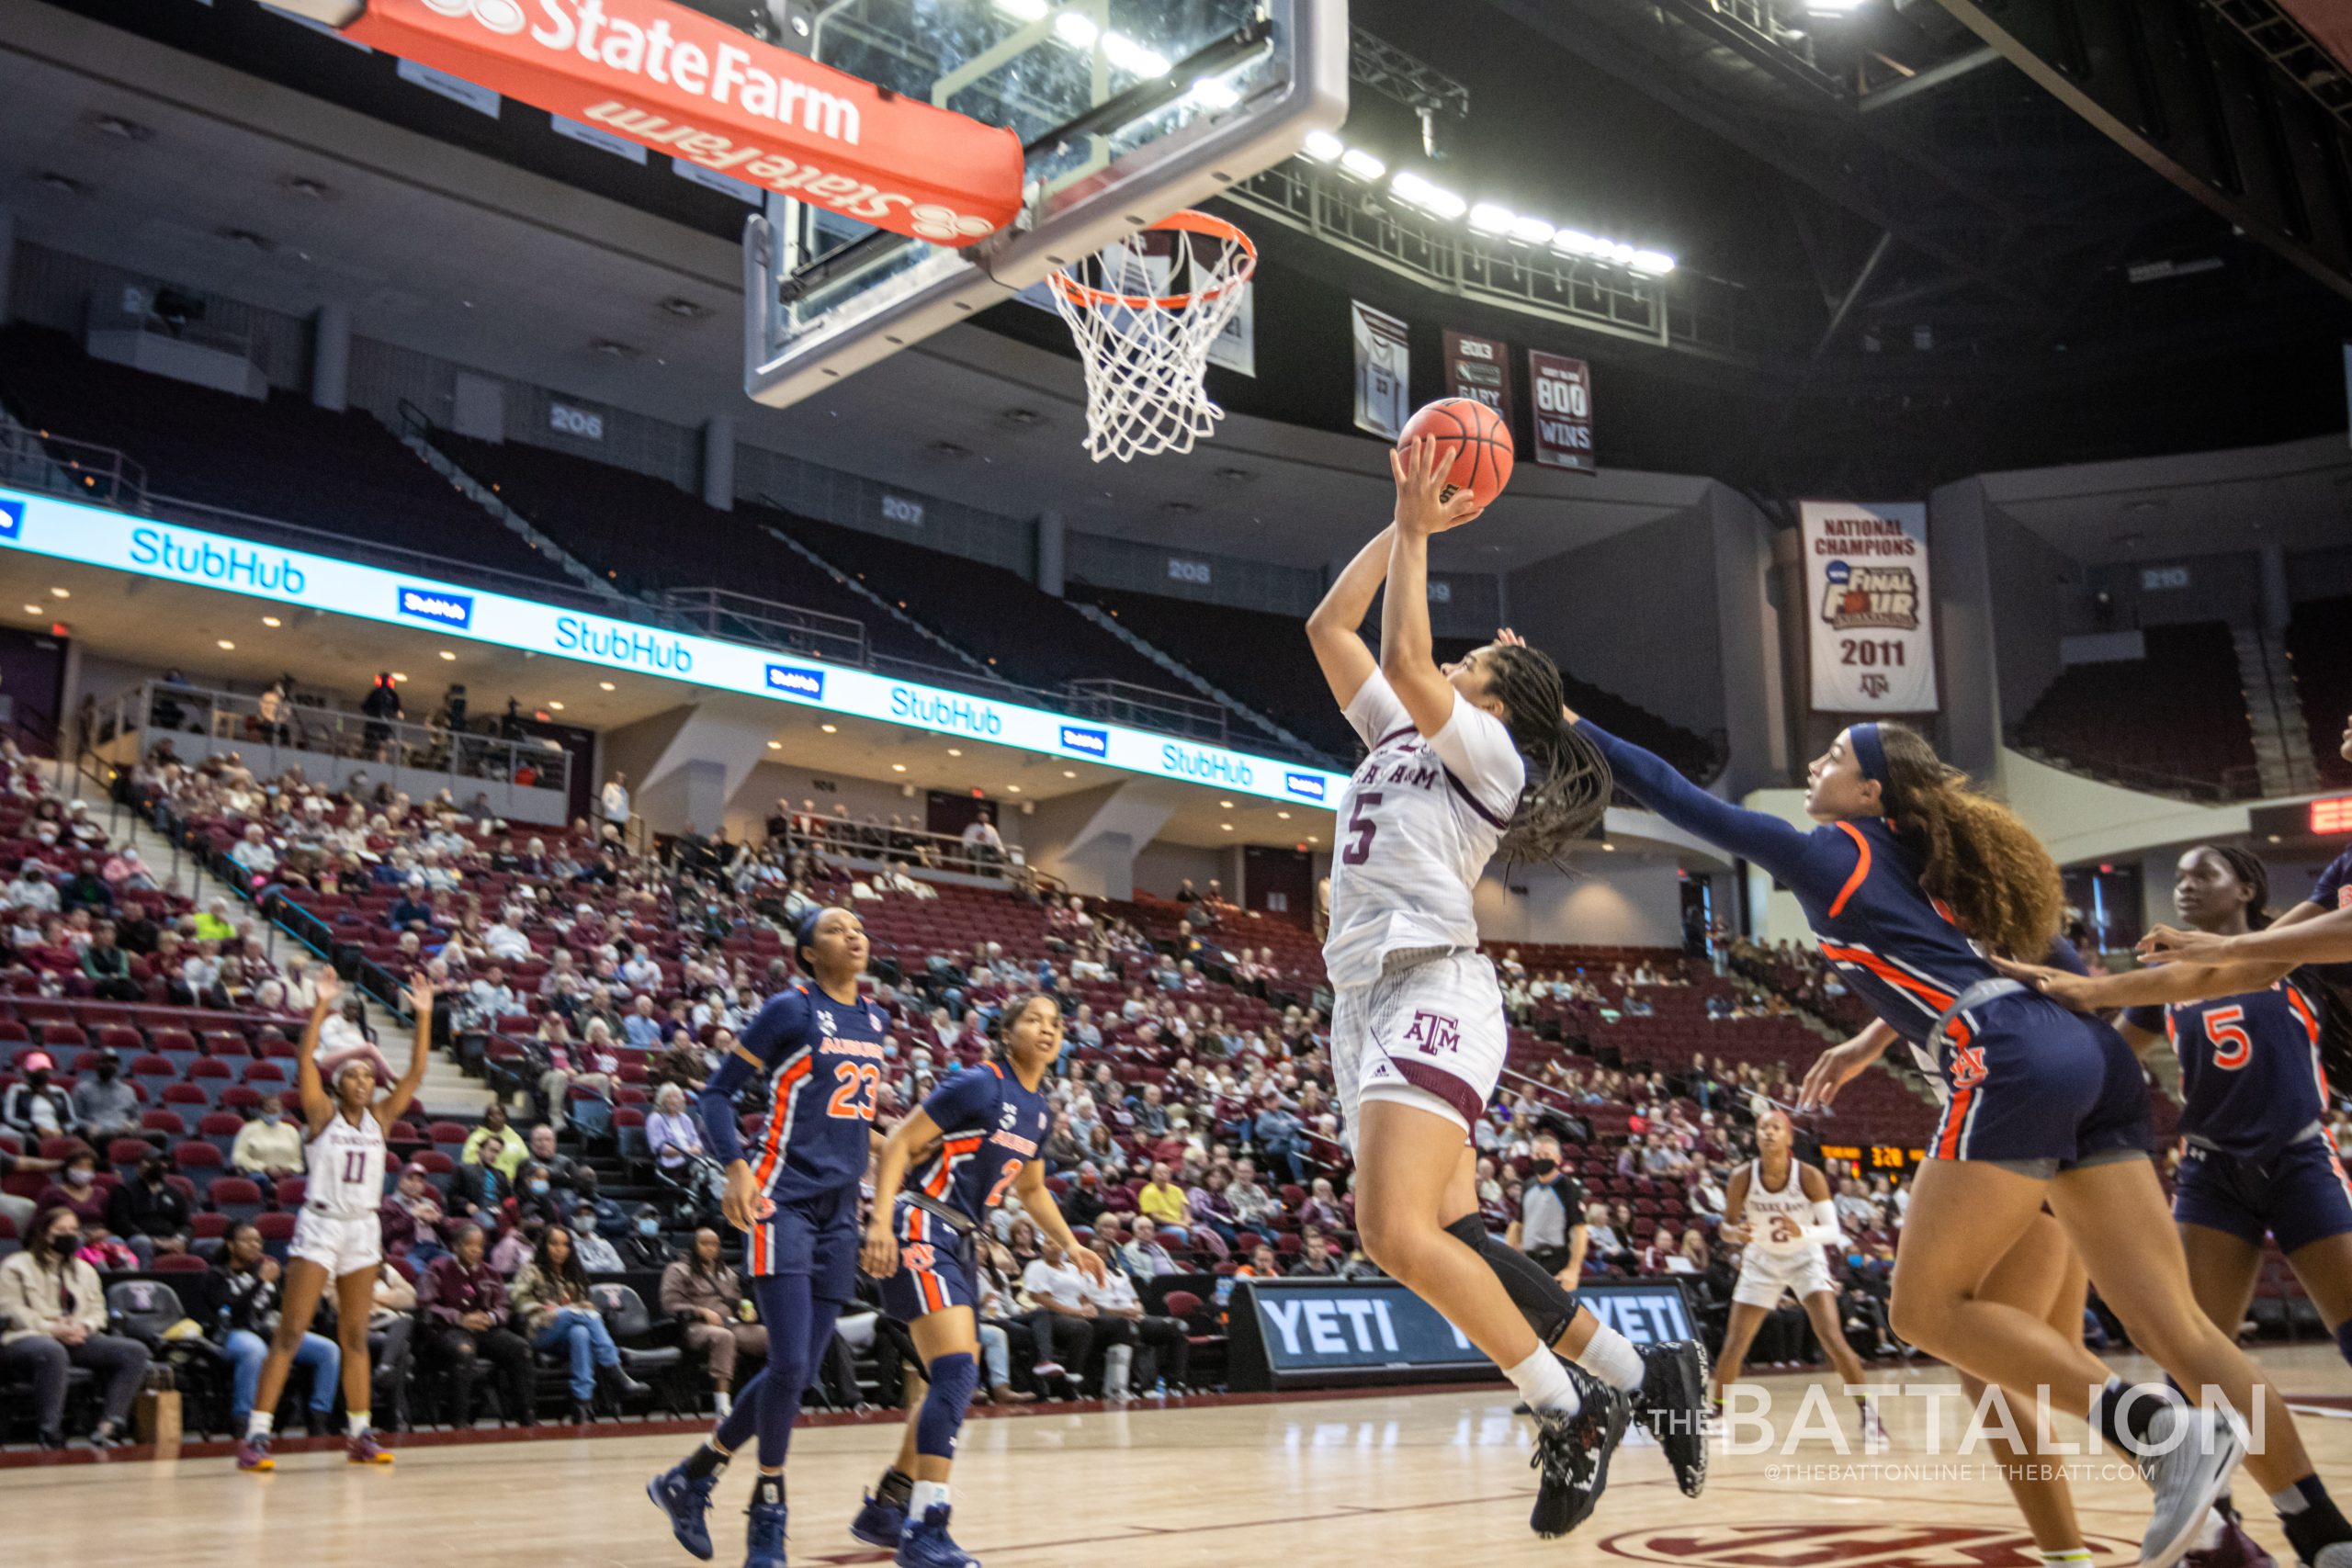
{"type": "Point", "coordinates": [1941, 268]}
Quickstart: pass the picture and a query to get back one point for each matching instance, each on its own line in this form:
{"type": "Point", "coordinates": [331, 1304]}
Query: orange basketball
{"type": "Point", "coordinates": [1476, 440]}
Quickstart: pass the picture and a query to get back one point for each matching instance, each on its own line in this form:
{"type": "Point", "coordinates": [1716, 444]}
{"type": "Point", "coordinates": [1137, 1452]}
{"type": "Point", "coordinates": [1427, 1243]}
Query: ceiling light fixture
{"type": "Point", "coordinates": [1361, 165]}
{"type": "Point", "coordinates": [60, 593]}
{"type": "Point", "coordinates": [225, 643]}
{"type": "Point", "coordinates": [1415, 191]}
{"type": "Point", "coordinates": [898, 767]}
{"type": "Point", "coordinates": [271, 621]}
{"type": "Point", "coordinates": [1024, 10]}
{"type": "Point", "coordinates": [400, 677]}
{"type": "Point", "coordinates": [1492, 218]}
{"type": "Point", "coordinates": [449, 656]}
{"type": "Point", "coordinates": [830, 728]}
{"type": "Point", "coordinates": [1077, 29]}
{"type": "Point", "coordinates": [555, 707]}
{"type": "Point", "coordinates": [776, 745]}
{"type": "Point", "coordinates": [1322, 146]}
{"type": "Point", "coordinates": [606, 685]}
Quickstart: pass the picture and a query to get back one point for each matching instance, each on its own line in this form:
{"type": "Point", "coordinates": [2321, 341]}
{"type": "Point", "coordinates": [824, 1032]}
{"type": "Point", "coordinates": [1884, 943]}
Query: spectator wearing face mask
{"type": "Point", "coordinates": [641, 1246]}
{"type": "Point", "coordinates": [76, 1188]}
{"type": "Point", "coordinates": [596, 1253]}
{"type": "Point", "coordinates": [1551, 1228]}
{"type": "Point", "coordinates": [149, 1213]}
{"type": "Point", "coordinates": [36, 1108]}
{"type": "Point", "coordinates": [269, 1148]}
{"type": "Point", "coordinates": [53, 1319]}
{"type": "Point", "coordinates": [105, 1107]}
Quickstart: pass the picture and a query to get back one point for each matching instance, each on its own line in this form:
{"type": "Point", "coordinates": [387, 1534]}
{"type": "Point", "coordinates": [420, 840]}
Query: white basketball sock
{"type": "Point", "coordinates": [260, 1423]}
{"type": "Point", "coordinates": [1544, 1384]}
{"type": "Point", "coordinates": [1611, 1356]}
{"type": "Point", "coordinates": [928, 1495]}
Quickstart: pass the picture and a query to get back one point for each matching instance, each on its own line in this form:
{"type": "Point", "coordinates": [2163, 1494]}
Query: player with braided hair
{"type": "Point", "coordinates": [1465, 761]}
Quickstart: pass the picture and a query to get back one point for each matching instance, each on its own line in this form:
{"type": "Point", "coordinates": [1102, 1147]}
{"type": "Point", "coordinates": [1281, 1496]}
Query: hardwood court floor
{"type": "Point", "coordinates": [1428, 1478]}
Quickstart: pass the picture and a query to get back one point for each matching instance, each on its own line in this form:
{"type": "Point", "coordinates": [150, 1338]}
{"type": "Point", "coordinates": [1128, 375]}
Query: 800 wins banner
{"type": "Point", "coordinates": [1868, 602]}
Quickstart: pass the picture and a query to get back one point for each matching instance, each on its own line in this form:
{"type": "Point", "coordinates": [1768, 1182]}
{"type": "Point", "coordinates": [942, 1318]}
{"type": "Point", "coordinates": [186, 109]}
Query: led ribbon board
{"type": "Point", "coordinates": [94, 536]}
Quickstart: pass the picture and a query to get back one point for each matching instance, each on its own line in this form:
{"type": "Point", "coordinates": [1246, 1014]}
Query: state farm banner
{"type": "Point", "coordinates": [675, 80]}
{"type": "Point", "coordinates": [1867, 600]}
{"type": "Point", "coordinates": [1384, 371]}
{"type": "Point", "coordinates": [1563, 391]}
{"type": "Point", "coordinates": [1479, 369]}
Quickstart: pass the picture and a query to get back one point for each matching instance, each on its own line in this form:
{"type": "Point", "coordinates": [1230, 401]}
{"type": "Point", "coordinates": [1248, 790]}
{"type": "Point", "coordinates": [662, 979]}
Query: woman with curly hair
{"type": "Point", "coordinates": [1912, 876]}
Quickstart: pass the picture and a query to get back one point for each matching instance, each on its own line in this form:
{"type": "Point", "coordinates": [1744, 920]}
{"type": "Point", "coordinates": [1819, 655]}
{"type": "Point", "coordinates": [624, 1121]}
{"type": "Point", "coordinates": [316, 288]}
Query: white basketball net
{"type": "Point", "coordinates": [1145, 348]}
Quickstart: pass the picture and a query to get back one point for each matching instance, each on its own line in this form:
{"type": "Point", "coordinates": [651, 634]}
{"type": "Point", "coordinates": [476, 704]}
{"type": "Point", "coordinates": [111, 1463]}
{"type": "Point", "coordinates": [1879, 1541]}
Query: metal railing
{"type": "Point", "coordinates": [720, 612]}
{"type": "Point", "coordinates": [307, 733]}
{"type": "Point", "coordinates": [79, 470]}
{"type": "Point", "coordinates": [876, 845]}
{"type": "Point", "coordinates": [1149, 707]}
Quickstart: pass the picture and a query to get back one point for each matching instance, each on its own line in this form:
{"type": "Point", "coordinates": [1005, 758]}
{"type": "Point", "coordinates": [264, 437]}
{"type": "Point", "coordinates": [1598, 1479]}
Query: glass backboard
{"type": "Point", "coordinates": [1128, 110]}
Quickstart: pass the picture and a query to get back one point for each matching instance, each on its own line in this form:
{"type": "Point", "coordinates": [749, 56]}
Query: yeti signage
{"type": "Point", "coordinates": [1868, 604]}
{"type": "Point", "coordinates": [1478, 368]}
{"type": "Point", "coordinates": [1563, 391]}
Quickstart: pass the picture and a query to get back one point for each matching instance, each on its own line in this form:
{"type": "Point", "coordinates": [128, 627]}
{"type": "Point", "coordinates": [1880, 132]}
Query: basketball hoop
{"type": "Point", "coordinates": [1146, 345]}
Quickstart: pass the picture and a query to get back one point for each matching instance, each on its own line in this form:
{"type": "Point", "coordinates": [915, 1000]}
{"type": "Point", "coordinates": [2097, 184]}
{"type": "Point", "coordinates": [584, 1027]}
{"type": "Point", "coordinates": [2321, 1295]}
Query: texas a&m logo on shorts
{"type": "Point", "coordinates": [1433, 1033]}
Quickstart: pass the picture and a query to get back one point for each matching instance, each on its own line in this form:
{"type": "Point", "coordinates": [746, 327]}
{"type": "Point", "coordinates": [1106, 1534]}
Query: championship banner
{"type": "Point", "coordinates": [1479, 369]}
{"type": "Point", "coordinates": [1563, 391]}
{"type": "Point", "coordinates": [1382, 371]}
{"type": "Point", "coordinates": [675, 80]}
{"type": "Point", "coordinates": [1867, 598]}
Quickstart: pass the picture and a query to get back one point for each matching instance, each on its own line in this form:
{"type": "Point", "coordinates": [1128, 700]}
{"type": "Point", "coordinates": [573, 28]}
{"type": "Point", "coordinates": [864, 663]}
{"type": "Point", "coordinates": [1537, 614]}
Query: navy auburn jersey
{"type": "Point", "coordinates": [1857, 882]}
{"type": "Point", "coordinates": [2250, 1074]}
{"type": "Point", "coordinates": [2333, 891]}
{"type": "Point", "coordinates": [824, 1061]}
{"type": "Point", "coordinates": [993, 1127]}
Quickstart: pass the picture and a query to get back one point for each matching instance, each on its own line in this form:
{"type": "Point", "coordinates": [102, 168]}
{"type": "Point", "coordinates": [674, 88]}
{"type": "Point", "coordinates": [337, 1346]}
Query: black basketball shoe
{"type": "Point", "coordinates": [1572, 1455]}
{"type": "Point", "coordinates": [1671, 1406]}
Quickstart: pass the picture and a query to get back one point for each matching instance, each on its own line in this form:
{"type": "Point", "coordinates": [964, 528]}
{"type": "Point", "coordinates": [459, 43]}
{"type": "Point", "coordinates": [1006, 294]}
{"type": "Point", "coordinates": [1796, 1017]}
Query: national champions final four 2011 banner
{"type": "Point", "coordinates": [146, 547]}
{"type": "Point", "coordinates": [1871, 608]}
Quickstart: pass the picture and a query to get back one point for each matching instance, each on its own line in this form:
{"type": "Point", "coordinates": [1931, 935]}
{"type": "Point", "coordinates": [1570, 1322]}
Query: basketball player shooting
{"type": "Point", "coordinates": [1465, 760]}
{"type": "Point", "coordinates": [1785, 1219]}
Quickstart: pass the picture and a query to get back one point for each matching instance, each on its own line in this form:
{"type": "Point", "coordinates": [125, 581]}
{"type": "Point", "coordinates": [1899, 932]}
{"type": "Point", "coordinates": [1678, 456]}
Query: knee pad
{"type": "Point", "coordinates": [953, 1379]}
{"type": "Point", "coordinates": [1547, 1305]}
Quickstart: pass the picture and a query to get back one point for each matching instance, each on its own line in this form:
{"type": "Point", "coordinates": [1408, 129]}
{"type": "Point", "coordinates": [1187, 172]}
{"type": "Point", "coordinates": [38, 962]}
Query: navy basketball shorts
{"type": "Point", "coordinates": [936, 1266]}
{"type": "Point", "coordinates": [2298, 1194]}
{"type": "Point", "coordinates": [2036, 1086]}
{"type": "Point", "coordinates": [816, 1236]}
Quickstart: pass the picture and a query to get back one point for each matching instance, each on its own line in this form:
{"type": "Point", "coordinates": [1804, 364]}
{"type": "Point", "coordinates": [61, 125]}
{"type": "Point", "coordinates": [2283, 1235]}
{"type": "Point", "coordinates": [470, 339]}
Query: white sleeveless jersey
{"type": "Point", "coordinates": [1776, 1221]}
{"type": "Point", "coordinates": [1418, 822]}
{"type": "Point", "coordinates": [345, 1174]}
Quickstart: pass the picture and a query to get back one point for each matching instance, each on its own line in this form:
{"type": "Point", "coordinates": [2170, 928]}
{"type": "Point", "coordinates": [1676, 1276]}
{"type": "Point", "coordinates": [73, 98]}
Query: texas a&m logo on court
{"type": "Point", "coordinates": [1433, 1033]}
{"type": "Point", "coordinates": [1870, 596]}
{"type": "Point", "coordinates": [1817, 1545]}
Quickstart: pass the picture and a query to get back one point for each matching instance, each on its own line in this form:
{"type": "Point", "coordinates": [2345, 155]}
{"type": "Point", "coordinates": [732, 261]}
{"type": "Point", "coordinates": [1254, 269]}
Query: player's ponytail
{"type": "Point", "coordinates": [1982, 862]}
{"type": "Point", "coordinates": [1568, 780]}
{"type": "Point", "coordinates": [2250, 873]}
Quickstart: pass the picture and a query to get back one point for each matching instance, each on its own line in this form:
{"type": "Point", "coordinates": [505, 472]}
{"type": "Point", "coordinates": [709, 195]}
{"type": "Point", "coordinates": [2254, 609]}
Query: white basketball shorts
{"type": "Point", "coordinates": [1763, 1275]}
{"type": "Point", "coordinates": [339, 1246]}
{"type": "Point", "coordinates": [1429, 1033]}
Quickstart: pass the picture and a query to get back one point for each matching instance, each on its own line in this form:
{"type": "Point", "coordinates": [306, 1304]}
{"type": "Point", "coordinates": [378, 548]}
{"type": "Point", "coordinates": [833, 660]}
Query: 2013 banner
{"type": "Point", "coordinates": [1479, 369]}
{"type": "Point", "coordinates": [1868, 603]}
{"type": "Point", "coordinates": [1563, 392]}
{"type": "Point", "coordinates": [1384, 371]}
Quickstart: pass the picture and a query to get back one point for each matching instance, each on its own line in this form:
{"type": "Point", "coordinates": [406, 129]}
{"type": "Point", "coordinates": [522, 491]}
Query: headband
{"type": "Point", "coordinates": [804, 934]}
{"type": "Point", "coordinates": [1869, 751]}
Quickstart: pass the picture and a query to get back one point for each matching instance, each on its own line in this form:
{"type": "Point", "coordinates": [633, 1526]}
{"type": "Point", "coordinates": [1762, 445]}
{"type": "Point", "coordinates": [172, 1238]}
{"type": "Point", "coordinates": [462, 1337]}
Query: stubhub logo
{"type": "Point", "coordinates": [1305, 786]}
{"type": "Point", "coordinates": [798, 681]}
{"type": "Point", "coordinates": [436, 605]}
{"type": "Point", "coordinates": [1093, 742]}
{"type": "Point", "coordinates": [12, 519]}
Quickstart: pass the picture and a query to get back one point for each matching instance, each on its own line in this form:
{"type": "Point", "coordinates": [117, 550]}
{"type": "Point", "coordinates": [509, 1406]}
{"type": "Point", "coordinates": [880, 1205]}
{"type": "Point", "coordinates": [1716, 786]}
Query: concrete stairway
{"type": "Point", "coordinates": [2283, 747]}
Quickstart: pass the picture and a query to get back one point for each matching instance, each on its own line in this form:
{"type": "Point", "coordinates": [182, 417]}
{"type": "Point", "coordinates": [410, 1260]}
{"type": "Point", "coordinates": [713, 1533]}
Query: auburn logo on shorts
{"type": "Point", "coordinates": [1968, 1066]}
{"type": "Point", "coordinates": [1433, 1033]}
